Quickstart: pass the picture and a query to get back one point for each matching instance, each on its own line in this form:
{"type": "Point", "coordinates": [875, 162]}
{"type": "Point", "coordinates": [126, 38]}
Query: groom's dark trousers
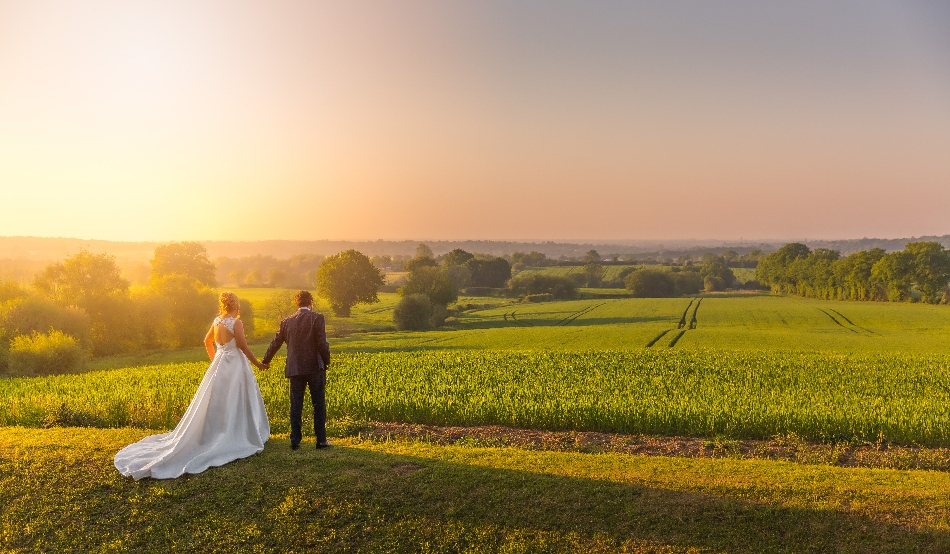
{"type": "Point", "coordinates": [318, 389]}
{"type": "Point", "coordinates": [308, 356]}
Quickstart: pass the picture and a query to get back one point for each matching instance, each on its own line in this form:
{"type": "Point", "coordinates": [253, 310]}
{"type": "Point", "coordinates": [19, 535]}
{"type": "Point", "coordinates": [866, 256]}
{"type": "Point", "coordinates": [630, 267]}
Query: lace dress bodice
{"type": "Point", "coordinates": [228, 323]}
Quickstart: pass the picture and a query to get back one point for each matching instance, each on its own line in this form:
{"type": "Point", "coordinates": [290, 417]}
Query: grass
{"type": "Point", "coordinates": [61, 493]}
{"type": "Point", "coordinates": [819, 396]}
{"type": "Point", "coordinates": [753, 367]}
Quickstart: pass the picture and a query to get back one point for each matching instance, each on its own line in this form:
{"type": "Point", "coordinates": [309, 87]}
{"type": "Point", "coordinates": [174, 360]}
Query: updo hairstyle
{"type": "Point", "coordinates": [228, 302]}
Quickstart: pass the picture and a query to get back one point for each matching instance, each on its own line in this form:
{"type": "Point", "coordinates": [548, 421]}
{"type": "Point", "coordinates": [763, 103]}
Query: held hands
{"type": "Point", "coordinates": [265, 366]}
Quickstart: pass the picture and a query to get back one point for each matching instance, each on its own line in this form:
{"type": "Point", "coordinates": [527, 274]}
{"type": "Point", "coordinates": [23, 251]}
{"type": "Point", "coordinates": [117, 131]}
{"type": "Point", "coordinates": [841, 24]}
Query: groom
{"type": "Point", "coordinates": [308, 356]}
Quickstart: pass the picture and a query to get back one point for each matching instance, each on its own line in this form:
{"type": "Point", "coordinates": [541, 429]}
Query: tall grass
{"type": "Point", "coordinates": [821, 396]}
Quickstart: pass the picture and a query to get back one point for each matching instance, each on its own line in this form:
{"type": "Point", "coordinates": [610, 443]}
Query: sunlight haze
{"type": "Point", "coordinates": [489, 120]}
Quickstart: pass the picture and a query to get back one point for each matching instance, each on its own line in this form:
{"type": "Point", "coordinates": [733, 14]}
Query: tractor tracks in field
{"type": "Point", "coordinates": [570, 319]}
{"type": "Point", "coordinates": [851, 326]}
{"type": "Point", "coordinates": [682, 326]}
{"type": "Point", "coordinates": [515, 320]}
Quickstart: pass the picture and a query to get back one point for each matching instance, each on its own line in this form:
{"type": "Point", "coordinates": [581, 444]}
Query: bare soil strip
{"type": "Point", "coordinates": [785, 448]}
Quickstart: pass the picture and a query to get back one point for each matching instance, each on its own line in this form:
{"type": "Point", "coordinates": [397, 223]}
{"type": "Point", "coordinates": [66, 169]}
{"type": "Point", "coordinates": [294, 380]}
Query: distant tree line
{"type": "Point", "coordinates": [920, 271]}
{"type": "Point", "coordinates": [83, 305]}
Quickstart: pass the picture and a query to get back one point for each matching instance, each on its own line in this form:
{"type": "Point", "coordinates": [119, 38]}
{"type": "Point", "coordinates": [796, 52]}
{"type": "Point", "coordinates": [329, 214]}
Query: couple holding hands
{"type": "Point", "coordinates": [226, 419]}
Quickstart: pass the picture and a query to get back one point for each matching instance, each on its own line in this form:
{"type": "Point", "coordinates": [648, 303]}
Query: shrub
{"type": "Point", "coordinates": [712, 284]}
{"type": "Point", "coordinates": [413, 313]}
{"type": "Point", "coordinates": [534, 284]}
{"type": "Point", "coordinates": [650, 283]}
{"type": "Point", "coordinates": [545, 297]}
{"type": "Point", "coordinates": [686, 282]}
{"type": "Point", "coordinates": [39, 354]}
{"type": "Point", "coordinates": [439, 314]}
{"type": "Point", "coordinates": [31, 314]}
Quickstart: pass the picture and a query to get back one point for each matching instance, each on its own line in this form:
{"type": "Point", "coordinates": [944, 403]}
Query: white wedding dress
{"type": "Point", "coordinates": [226, 421]}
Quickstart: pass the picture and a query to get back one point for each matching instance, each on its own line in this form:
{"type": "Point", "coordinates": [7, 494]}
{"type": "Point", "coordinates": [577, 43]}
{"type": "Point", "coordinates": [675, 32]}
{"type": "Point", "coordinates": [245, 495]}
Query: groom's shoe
{"type": "Point", "coordinates": [294, 446]}
{"type": "Point", "coordinates": [323, 444]}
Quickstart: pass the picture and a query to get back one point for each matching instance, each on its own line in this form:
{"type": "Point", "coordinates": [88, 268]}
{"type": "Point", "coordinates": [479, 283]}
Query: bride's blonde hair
{"type": "Point", "coordinates": [228, 302]}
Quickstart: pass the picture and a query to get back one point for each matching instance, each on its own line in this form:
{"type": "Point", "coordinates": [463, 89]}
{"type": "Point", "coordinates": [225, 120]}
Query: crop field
{"type": "Point", "coordinates": [730, 322]}
{"type": "Point", "coordinates": [823, 397]}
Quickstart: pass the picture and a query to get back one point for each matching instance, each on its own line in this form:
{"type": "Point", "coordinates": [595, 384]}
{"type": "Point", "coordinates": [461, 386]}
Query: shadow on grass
{"type": "Point", "coordinates": [350, 499]}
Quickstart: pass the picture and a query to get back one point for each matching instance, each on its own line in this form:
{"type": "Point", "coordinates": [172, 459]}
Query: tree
{"type": "Point", "coordinates": [460, 275]}
{"type": "Point", "coordinates": [591, 257]}
{"type": "Point", "coordinates": [184, 258]}
{"type": "Point", "coordinates": [773, 269]}
{"type": "Point", "coordinates": [191, 307]}
{"type": "Point", "coordinates": [278, 306]}
{"type": "Point", "coordinates": [930, 269]}
{"type": "Point", "coordinates": [594, 273]}
{"type": "Point", "coordinates": [346, 279]}
{"type": "Point", "coordinates": [418, 262]}
{"type": "Point", "coordinates": [432, 282]}
{"type": "Point", "coordinates": [423, 251]}
{"type": "Point", "coordinates": [892, 276]}
{"type": "Point", "coordinates": [457, 257]}
{"type": "Point", "coordinates": [493, 272]}
{"type": "Point", "coordinates": [717, 270]}
{"type": "Point", "coordinates": [236, 276]}
{"type": "Point", "coordinates": [253, 278]}
{"type": "Point", "coordinates": [276, 276]}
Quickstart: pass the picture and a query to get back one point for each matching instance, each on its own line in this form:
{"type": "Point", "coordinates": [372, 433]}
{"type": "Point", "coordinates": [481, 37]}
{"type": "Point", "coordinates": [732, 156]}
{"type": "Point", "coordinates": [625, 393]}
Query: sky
{"type": "Point", "coordinates": [530, 120]}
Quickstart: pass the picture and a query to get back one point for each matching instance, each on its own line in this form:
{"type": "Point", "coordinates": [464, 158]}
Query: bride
{"type": "Point", "coordinates": [226, 419]}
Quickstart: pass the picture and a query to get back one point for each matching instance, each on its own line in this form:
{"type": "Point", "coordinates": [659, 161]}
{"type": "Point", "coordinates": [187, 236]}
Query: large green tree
{"type": "Point", "coordinates": [184, 258]}
{"type": "Point", "coordinates": [346, 279]}
{"type": "Point", "coordinates": [930, 269]}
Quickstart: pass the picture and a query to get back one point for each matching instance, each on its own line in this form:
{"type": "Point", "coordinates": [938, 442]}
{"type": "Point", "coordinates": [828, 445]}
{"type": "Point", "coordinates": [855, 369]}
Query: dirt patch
{"type": "Point", "coordinates": [786, 448]}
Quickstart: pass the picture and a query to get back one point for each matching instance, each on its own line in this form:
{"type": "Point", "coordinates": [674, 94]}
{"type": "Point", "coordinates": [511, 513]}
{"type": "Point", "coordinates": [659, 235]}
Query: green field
{"type": "Point", "coordinates": [720, 366]}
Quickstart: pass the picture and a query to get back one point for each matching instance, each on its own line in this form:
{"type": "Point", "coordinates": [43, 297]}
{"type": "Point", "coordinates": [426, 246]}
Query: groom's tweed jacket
{"type": "Point", "coordinates": [307, 350]}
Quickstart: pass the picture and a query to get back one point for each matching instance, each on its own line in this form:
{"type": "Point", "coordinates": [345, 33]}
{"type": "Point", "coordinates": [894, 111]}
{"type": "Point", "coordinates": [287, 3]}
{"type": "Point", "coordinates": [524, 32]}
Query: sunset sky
{"type": "Point", "coordinates": [485, 120]}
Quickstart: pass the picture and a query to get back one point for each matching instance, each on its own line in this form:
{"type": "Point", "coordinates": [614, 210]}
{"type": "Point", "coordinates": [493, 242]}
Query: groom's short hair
{"type": "Point", "coordinates": [303, 298]}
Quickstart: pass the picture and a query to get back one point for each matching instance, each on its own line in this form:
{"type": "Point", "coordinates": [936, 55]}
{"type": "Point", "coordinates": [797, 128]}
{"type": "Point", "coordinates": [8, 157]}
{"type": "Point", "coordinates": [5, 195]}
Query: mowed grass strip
{"type": "Point", "coordinates": [60, 492]}
{"type": "Point", "coordinates": [826, 397]}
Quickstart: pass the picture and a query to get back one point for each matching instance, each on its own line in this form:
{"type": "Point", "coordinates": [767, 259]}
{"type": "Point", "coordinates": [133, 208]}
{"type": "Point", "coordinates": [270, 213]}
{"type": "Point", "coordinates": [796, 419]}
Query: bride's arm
{"type": "Point", "coordinates": [241, 342]}
{"type": "Point", "coordinates": [209, 343]}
